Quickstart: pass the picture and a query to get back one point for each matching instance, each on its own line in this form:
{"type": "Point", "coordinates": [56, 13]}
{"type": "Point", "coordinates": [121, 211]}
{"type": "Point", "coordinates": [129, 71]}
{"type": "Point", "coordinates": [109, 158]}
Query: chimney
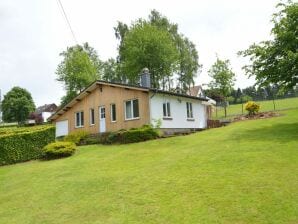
{"type": "Point", "coordinates": [145, 78]}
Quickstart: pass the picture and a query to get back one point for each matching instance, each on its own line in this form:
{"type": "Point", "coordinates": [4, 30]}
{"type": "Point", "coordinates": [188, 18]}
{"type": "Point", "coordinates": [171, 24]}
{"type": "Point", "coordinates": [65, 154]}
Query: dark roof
{"type": "Point", "coordinates": [156, 90]}
{"type": "Point", "coordinates": [46, 108]}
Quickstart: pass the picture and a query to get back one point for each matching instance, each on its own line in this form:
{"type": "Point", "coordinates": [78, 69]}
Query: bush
{"type": "Point", "coordinates": [252, 107]}
{"type": "Point", "coordinates": [76, 137]}
{"type": "Point", "coordinates": [23, 144]}
{"type": "Point", "coordinates": [57, 150]}
{"type": "Point", "coordinates": [133, 135]}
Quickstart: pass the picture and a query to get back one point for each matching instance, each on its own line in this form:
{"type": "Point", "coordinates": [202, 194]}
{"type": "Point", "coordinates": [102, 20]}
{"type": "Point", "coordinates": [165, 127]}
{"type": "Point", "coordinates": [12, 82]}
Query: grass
{"type": "Point", "coordinates": [246, 172]}
{"type": "Point", "coordinates": [267, 105]}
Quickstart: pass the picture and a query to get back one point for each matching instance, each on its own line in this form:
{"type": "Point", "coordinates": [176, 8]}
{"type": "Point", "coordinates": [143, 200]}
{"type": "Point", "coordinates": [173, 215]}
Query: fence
{"type": "Point", "coordinates": [265, 105]}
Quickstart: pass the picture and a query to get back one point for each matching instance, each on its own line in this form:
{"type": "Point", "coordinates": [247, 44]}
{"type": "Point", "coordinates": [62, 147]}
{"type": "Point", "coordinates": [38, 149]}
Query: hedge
{"type": "Point", "coordinates": [25, 145]}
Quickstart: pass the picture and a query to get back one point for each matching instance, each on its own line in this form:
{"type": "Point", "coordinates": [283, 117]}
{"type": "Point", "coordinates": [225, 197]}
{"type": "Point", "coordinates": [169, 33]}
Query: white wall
{"type": "Point", "coordinates": [45, 116]}
{"type": "Point", "coordinates": [178, 111]}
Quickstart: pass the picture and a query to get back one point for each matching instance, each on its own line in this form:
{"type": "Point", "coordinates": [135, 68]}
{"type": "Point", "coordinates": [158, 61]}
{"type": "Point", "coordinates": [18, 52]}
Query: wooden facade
{"type": "Point", "coordinates": [105, 95]}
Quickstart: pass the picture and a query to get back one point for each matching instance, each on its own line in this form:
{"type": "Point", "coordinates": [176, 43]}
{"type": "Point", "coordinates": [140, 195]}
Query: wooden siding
{"type": "Point", "coordinates": [105, 95]}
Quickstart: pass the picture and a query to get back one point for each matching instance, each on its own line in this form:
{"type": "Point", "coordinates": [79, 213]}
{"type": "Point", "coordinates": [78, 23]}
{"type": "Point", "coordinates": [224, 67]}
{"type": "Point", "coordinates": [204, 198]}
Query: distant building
{"type": "Point", "coordinates": [46, 111]}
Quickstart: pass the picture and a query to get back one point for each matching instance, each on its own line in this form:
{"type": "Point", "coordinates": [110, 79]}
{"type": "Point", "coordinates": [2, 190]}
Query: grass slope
{"type": "Point", "coordinates": [242, 173]}
{"type": "Point", "coordinates": [266, 105]}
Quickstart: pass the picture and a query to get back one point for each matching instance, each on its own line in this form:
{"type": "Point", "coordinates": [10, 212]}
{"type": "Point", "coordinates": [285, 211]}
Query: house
{"type": "Point", "coordinates": [45, 111]}
{"type": "Point", "coordinates": [196, 91]}
{"type": "Point", "coordinates": [107, 106]}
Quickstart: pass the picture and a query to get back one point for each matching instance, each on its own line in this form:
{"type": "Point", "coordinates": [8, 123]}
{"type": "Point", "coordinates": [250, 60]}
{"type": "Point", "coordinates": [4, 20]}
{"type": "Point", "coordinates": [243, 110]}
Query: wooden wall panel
{"type": "Point", "coordinates": [105, 95]}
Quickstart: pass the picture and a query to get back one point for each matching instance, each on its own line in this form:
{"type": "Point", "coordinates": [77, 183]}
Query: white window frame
{"type": "Point", "coordinates": [168, 109]}
{"type": "Point", "coordinates": [80, 119]}
{"type": "Point", "coordinates": [111, 108]}
{"type": "Point", "coordinates": [189, 110]}
{"type": "Point", "coordinates": [90, 116]}
{"type": "Point", "coordinates": [132, 111]}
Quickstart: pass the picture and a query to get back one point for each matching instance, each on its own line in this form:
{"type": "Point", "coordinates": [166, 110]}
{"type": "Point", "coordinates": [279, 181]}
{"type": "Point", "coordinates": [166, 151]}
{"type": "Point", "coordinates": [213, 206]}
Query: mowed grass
{"type": "Point", "coordinates": [246, 172]}
{"type": "Point", "coordinates": [267, 105]}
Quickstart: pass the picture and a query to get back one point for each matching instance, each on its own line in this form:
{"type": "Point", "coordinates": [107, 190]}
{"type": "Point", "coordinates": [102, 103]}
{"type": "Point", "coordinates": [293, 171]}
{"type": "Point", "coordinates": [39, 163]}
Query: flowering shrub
{"type": "Point", "coordinates": [252, 107]}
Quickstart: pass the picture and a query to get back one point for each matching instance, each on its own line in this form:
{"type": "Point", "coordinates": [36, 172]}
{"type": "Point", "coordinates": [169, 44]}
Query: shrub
{"type": "Point", "coordinates": [252, 107]}
{"type": "Point", "coordinates": [57, 150]}
{"type": "Point", "coordinates": [23, 144]}
{"type": "Point", "coordinates": [76, 137]}
{"type": "Point", "coordinates": [133, 135]}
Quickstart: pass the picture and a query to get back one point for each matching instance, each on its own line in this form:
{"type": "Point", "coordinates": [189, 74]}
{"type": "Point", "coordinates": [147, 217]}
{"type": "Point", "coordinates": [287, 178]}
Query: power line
{"type": "Point", "coordinates": [67, 21]}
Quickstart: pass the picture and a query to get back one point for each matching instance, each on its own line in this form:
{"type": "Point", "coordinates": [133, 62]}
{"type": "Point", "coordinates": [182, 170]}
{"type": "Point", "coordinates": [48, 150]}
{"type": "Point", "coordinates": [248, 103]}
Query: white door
{"type": "Point", "coordinates": [61, 128]}
{"type": "Point", "coordinates": [102, 119]}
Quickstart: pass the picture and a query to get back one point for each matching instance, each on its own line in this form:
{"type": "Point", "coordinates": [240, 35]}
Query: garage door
{"type": "Point", "coordinates": [61, 128]}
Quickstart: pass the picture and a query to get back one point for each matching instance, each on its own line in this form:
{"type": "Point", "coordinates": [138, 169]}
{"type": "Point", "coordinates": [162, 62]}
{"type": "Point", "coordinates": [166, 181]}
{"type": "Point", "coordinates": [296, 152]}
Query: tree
{"type": "Point", "coordinates": [186, 65]}
{"type": "Point", "coordinates": [276, 61]}
{"type": "Point", "coordinates": [17, 105]}
{"type": "Point", "coordinates": [222, 78]}
{"type": "Point", "coordinates": [80, 67]}
{"type": "Point", "coordinates": [147, 46]}
{"type": "Point", "coordinates": [111, 71]}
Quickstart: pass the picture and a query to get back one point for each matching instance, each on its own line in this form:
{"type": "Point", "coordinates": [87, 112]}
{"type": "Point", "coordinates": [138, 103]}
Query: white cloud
{"type": "Point", "coordinates": [33, 33]}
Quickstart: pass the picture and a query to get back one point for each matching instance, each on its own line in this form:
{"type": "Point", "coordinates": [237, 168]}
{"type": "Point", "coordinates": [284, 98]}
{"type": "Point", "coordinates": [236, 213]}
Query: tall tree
{"type": "Point", "coordinates": [17, 105]}
{"type": "Point", "coordinates": [148, 46]}
{"type": "Point", "coordinates": [80, 67]}
{"type": "Point", "coordinates": [186, 66]}
{"type": "Point", "coordinates": [276, 61]}
{"type": "Point", "coordinates": [222, 78]}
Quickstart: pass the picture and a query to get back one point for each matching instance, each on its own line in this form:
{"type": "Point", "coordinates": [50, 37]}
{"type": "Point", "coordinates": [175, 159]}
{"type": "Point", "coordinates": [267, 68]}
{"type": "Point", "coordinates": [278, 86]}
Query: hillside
{"type": "Point", "coordinates": [243, 173]}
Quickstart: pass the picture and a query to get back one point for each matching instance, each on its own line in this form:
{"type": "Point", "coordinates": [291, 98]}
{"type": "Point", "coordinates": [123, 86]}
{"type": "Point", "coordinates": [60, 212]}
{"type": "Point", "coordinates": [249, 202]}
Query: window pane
{"type": "Point", "coordinates": [128, 111]}
{"type": "Point", "coordinates": [77, 119]}
{"type": "Point", "coordinates": [82, 118]}
{"type": "Point", "coordinates": [190, 108]}
{"type": "Point", "coordinates": [164, 109]}
{"type": "Point", "coordinates": [187, 109]}
{"type": "Point", "coordinates": [92, 116]}
{"type": "Point", "coordinates": [168, 109]}
{"type": "Point", "coordinates": [113, 112]}
{"type": "Point", "coordinates": [135, 108]}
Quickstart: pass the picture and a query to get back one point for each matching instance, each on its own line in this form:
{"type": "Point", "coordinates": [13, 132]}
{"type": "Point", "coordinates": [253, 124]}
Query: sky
{"type": "Point", "coordinates": [34, 32]}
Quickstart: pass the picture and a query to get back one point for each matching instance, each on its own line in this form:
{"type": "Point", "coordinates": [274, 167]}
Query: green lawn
{"type": "Point", "coordinates": [246, 172]}
{"type": "Point", "coordinates": [266, 105]}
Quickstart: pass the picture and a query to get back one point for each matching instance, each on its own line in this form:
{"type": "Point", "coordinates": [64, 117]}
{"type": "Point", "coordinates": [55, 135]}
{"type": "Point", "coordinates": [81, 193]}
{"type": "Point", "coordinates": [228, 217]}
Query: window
{"type": "Point", "coordinates": [92, 118]}
{"type": "Point", "coordinates": [113, 112]}
{"type": "Point", "coordinates": [102, 112]}
{"type": "Point", "coordinates": [189, 110]}
{"type": "Point", "coordinates": [132, 109]}
{"type": "Point", "coordinates": [79, 119]}
{"type": "Point", "coordinates": [166, 109]}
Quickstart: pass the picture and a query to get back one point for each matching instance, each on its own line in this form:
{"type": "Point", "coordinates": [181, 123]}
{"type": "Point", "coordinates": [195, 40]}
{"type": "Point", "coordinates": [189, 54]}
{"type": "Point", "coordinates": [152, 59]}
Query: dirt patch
{"type": "Point", "coordinates": [261, 115]}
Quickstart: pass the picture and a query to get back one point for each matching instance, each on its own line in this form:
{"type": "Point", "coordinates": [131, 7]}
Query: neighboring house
{"type": "Point", "coordinates": [106, 106]}
{"type": "Point", "coordinates": [196, 91]}
{"type": "Point", "coordinates": [46, 111]}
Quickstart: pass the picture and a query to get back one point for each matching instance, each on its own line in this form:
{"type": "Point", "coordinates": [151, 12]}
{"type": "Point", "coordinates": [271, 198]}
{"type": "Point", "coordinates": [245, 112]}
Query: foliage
{"type": "Point", "coordinates": [23, 144]}
{"type": "Point", "coordinates": [111, 71]}
{"type": "Point", "coordinates": [80, 67]}
{"type": "Point", "coordinates": [252, 107]}
{"type": "Point", "coordinates": [76, 137]}
{"type": "Point", "coordinates": [36, 117]}
{"type": "Point", "coordinates": [59, 149]}
{"type": "Point", "coordinates": [180, 54]}
{"type": "Point", "coordinates": [147, 46]}
{"type": "Point", "coordinates": [276, 61]}
{"type": "Point", "coordinates": [17, 105]}
{"type": "Point", "coordinates": [222, 77]}
{"type": "Point", "coordinates": [133, 135]}
{"type": "Point", "coordinates": [246, 98]}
